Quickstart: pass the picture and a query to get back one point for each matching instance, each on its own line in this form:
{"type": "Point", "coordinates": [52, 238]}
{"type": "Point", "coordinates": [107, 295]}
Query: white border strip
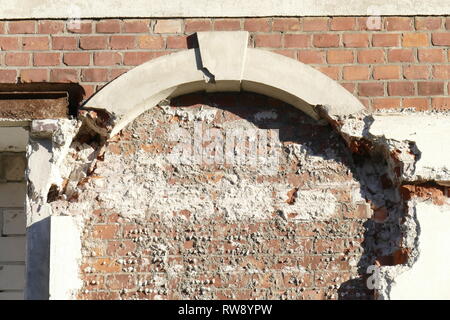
{"type": "Point", "coordinates": [42, 9]}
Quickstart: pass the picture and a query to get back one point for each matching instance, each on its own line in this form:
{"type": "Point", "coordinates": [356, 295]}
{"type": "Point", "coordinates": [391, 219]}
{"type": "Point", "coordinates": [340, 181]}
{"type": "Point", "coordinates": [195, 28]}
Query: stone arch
{"type": "Point", "coordinates": [222, 62]}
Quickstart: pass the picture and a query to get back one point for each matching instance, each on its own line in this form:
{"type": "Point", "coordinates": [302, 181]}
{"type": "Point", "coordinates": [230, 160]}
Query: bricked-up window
{"type": "Point", "coordinates": [12, 223]}
{"type": "Point", "coordinates": [222, 196]}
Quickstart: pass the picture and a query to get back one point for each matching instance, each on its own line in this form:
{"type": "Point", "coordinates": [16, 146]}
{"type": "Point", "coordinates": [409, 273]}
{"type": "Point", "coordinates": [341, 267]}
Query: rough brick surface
{"type": "Point", "coordinates": [224, 230]}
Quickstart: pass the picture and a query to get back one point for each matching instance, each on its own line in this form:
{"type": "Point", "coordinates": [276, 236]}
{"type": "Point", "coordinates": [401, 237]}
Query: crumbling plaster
{"type": "Point", "coordinates": [408, 151]}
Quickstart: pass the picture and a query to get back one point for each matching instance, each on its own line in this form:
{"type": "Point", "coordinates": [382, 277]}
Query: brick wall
{"type": "Point", "coordinates": [159, 230]}
{"type": "Point", "coordinates": [399, 62]}
{"type": "Point", "coordinates": [12, 225]}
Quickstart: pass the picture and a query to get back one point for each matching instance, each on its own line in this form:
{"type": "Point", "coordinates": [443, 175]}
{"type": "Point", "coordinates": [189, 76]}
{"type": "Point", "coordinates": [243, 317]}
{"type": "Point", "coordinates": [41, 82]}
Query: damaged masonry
{"type": "Point", "coordinates": [234, 181]}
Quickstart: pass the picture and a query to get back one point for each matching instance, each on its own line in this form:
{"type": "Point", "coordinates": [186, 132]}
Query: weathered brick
{"type": "Point", "coordinates": [386, 103]}
{"type": "Point", "coordinates": [340, 56]}
{"type": "Point", "coordinates": [77, 58]}
{"type": "Point", "coordinates": [416, 72]}
{"type": "Point", "coordinates": [168, 26]}
{"type": "Point", "coordinates": [123, 42]}
{"type": "Point", "coordinates": [107, 58]}
{"type": "Point", "coordinates": [46, 59]}
{"type": "Point", "coordinates": [356, 73]}
{"type": "Point", "coordinates": [136, 26]}
{"type": "Point", "coordinates": [78, 26]}
{"type": "Point", "coordinates": [386, 40]}
{"type": "Point", "coordinates": [398, 23]}
{"type": "Point", "coordinates": [401, 55]}
{"type": "Point", "coordinates": [343, 23]}
{"type": "Point", "coordinates": [312, 56]}
{"type": "Point", "coordinates": [64, 43]}
{"type": "Point", "coordinates": [227, 24]}
{"type": "Point", "coordinates": [194, 25]}
{"type": "Point", "coordinates": [441, 103]}
{"type": "Point", "coordinates": [371, 56]}
{"type": "Point", "coordinates": [18, 59]}
{"type": "Point", "coordinates": [268, 40]}
{"type": "Point", "coordinates": [64, 75]}
{"type": "Point", "coordinates": [286, 24]}
{"type": "Point", "coordinates": [21, 27]}
{"type": "Point", "coordinates": [35, 43]}
{"type": "Point", "coordinates": [257, 24]}
{"type": "Point", "coordinates": [50, 27]}
{"type": "Point", "coordinates": [441, 72]}
{"type": "Point", "coordinates": [371, 89]}
{"type": "Point", "coordinates": [9, 43]}
{"type": "Point", "coordinates": [108, 26]}
{"type": "Point", "coordinates": [93, 42]}
{"type": "Point", "coordinates": [8, 76]}
{"type": "Point", "coordinates": [355, 40]}
{"type": "Point", "coordinates": [401, 88]}
{"type": "Point", "coordinates": [441, 39]}
{"type": "Point", "coordinates": [297, 41]}
{"type": "Point", "coordinates": [386, 72]}
{"type": "Point", "coordinates": [428, 88]}
{"type": "Point", "coordinates": [315, 24]}
{"type": "Point", "coordinates": [34, 75]}
{"type": "Point", "coordinates": [326, 40]}
{"type": "Point", "coordinates": [94, 75]}
{"type": "Point", "coordinates": [415, 40]}
{"type": "Point", "coordinates": [431, 55]}
{"type": "Point", "coordinates": [428, 23]}
{"type": "Point", "coordinates": [416, 103]}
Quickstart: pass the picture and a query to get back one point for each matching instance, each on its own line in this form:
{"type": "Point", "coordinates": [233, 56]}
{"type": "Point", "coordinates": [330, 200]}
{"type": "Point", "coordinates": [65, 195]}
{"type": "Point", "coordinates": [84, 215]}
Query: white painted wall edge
{"type": "Point", "coordinates": [42, 9]}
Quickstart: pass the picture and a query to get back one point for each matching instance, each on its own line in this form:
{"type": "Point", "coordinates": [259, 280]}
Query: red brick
{"type": "Point", "coordinates": [64, 43]}
{"type": "Point", "coordinates": [315, 24]}
{"type": "Point", "coordinates": [386, 40]}
{"type": "Point", "coordinates": [35, 43]}
{"type": "Point", "coordinates": [356, 40]}
{"type": "Point", "coordinates": [417, 103]}
{"type": "Point", "coordinates": [114, 73]}
{"type": "Point", "coordinates": [123, 42]}
{"type": "Point", "coordinates": [371, 89]}
{"type": "Point", "coordinates": [107, 58]}
{"type": "Point", "coordinates": [46, 59]}
{"type": "Point", "coordinates": [386, 72]}
{"type": "Point", "coordinates": [430, 88]}
{"type": "Point", "coordinates": [136, 26]}
{"type": "Point", "coordinates": [177, 42]}
{"type": "Point", "coordinates": [350, 86]}
{"type": "Point", "coordinates": [9, 43]}
{"type": "Point", "coordinates": [371, 56]}
{"type": "Point", "coordinates": [20, 27]}
{"type": "Point", "coordinates": [311, 56]}
{"type": "Point", "coordinates": [286, 24]}
{"type": "Point", "coordinates": [17, 59]}
{"type": "Point", "coordinates": [398, 23]}
{"type": "Point", "coordinates": [343, 23]}
{"type": "Point", "coordinates": [447, 23]}
{"type": "Point", "coordinates": [428, 23]}
{"type": "Point", "coordinates": [431, 55]}
{"type": "Point", "coordinates": [441, 103]}
{"type": "Point", "coordinates": [416, 72]}
{"type": "Point", "coordinates": [96, 75]}
{"type": "Point", "coordinates": [331, 72]}
{"type": "Point", "coordinates": [386, 103]}
{"type": "Point", "coordinates": [50, 27]}
{"type": "Point", "coordinates": [288, 53]}
{"type": "Point", "coordinates": [415, 40]}
{"type": "Point", "coordinates": [401, 55]}
{"type": "Point", "coordinates": [108, 231]}
{"type": "Point", "coordinates": [441, 72]}
{"type": "Point", "coordinates": [168, 26]}
{"type": "Point", "coordinates": [120, 281]}
{"type": "Point", "coordinates": [227, 24]}
{"type": "Point", "coordinates": [8, 76]}
{"type": "Point", "coordinates": [137, 58]}
{"type": "Point", "coordinates": [356, 73]}
{"type": "Point", "coordinates": [268, 40]}
{"type": "Point", "coordinates": [194, 25]}
{"type": "Point", "coordinates": [369, 23]}
{"type": "Point", "coordinates": [77, 59]}
{"type": "Point", "coordinates": [326, 40]}
{"type": "Point", "coordinates": [151, 42]}
{"type": "Point", "coordinates": [88, 90]}
{"type": "Point", "coordinates": [340, 56]}
{"type": "Point", "coordinates": [297, 41]}
{"type": "Point", "coordinates": [93, 42]}
{"type": "Point", "coordinates": [257, 24]}
{"type": "Point", "coordinates": [401, 88]}
{"type": "Point", "coordinates": [2, 27]}
{"type": "Point", "coordinates": [34, 75]}
{"type": "Point", "coordinates": [441, 39]}
{"type": "Point", "coordinates": [108, 26]}
{"type": "Point", "coordinates": [77, 26]}
{"type": "Point", "coordinates": [63, 75]}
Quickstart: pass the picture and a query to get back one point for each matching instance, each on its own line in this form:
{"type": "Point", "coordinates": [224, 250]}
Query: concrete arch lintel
{"type": "Point", "coordinates": [223, 62]}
